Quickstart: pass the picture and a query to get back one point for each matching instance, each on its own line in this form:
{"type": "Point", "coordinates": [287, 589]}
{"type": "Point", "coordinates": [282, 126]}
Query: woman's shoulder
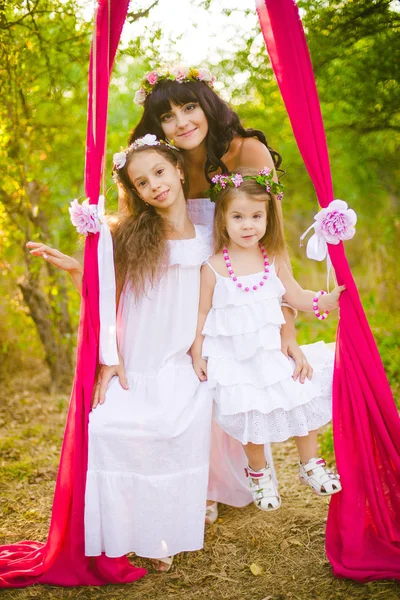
{"type": "Point", "coordinates": [254, 154]}
{"type": "Point", "coordinates": [247, 152]}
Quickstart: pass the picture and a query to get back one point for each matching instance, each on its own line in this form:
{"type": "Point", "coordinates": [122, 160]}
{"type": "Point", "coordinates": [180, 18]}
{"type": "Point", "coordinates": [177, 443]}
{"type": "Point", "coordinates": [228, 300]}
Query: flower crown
{"type": "Point", "coordinates": [264, 178]}
{"type": "Point", "coordinates": [179, 74]}
{"type": "Point", "coordinates": [119, 158]}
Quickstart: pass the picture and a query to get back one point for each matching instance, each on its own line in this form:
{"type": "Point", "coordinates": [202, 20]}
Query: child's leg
{"type": "Point", "coordinates": [313, 471]}
{"type": "Point", "coordinates": [255, 456]}
{"type": "Point", "coordinates": [262, 486]}
{"type": "Point", "coordinates": [307, 445]}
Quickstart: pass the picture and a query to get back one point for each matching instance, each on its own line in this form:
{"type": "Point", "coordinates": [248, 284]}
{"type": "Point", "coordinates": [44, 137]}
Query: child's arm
{"type": "Point", "coordinates": [303, 299]}
{"type": "Point", "coordinates": [60, 260]}
{"type": "Point", "coordinates": [104, 376]}
{"type": "Point", "coordinates": [207, 284]}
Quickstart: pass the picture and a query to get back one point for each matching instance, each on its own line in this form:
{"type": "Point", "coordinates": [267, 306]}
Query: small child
{"type": "Point", "coordinates": [238, 346]}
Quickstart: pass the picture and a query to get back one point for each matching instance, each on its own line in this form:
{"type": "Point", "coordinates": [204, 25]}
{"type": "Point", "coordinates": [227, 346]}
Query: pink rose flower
{"type": "Point", "coordinates": [152, 77]}
{"type": "Point", "coordinates": [179, 73]}
{"type": "Point", "coordinates": [140, 97]}
{"type": "Point", "coordinates": [265, 171]}
{"type": "Point", "coordinates": [336, 222]}
{"type": "Point", "coordinates": [84, 217]}
{"type": "Point", "coordinates": [237, 179]}
{"type": "Point", "coordinates": [204, 75]}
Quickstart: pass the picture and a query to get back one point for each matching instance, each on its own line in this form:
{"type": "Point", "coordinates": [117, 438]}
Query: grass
{"type": "Point", "coordinates": [286, 547]}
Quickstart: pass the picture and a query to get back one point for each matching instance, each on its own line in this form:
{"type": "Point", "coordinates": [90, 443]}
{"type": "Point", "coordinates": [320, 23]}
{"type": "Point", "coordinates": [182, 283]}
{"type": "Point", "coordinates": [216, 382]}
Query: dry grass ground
{"type": "Point", "coordinates": [287, 546]}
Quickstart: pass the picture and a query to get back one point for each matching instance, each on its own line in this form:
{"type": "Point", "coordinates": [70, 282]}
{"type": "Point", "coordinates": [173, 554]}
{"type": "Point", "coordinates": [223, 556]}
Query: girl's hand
{"type": "Point", "coordinates": [104, 376]}
{"type": "Point", "coordinates": [200, 367]}
{"type": "Point", "coordinates": [330, 301]}
{"type": "Point", "coordinates": [303, 369]}
{"type": "Point", "coordinates": [55, 257]}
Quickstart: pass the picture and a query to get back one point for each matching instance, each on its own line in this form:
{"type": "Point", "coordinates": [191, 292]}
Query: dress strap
{"type": "Point", "coordinates": [212, 269]}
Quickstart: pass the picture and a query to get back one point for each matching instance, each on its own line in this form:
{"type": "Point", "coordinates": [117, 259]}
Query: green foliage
{"type": "Point", "coordinates": [355, 48]}
{"type": "Point", "coordinates": [43, 66]}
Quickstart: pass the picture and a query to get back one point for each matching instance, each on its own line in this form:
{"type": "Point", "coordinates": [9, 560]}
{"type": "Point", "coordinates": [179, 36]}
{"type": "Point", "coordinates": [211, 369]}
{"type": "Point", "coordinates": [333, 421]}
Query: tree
{"type": "Point", "coordinates": [44, 53]}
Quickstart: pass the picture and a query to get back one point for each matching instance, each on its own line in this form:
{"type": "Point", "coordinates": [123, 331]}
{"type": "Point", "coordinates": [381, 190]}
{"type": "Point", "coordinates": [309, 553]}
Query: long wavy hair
{"type": "Point", "coordinates": [223, 123]}
{"type": "Point", "coordinates": [139, 231]}
{"type": "Point", "coordinates": [273, 240]}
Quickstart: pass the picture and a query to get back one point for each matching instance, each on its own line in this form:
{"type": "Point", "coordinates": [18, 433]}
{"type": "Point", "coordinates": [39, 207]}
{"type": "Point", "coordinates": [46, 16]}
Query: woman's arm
{"type": "Point", "coordinates": [60, 260]}
{"type": "Point", "coordinates": [207, 284]}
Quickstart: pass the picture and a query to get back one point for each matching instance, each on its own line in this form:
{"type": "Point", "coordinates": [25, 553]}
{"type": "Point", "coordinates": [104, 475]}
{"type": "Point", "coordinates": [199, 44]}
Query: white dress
{"type": "Point", "coordinates": [227, 481]}
{"type": "Point", "coordinates": [256, 398]}
{"type": "Point", "coordinates": [149, 446]}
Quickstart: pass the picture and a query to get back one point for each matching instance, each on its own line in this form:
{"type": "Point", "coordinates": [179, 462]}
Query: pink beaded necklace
{"type": "Point", "coordinates": [233, 276]}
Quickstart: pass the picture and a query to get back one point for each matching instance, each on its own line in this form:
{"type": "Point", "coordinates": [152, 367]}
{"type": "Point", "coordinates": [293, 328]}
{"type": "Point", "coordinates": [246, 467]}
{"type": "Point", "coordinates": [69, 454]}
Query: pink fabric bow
{"type": "Point", "coordinates": [363, 529]}
{"type": "Point", "coordinates": [61, 559]}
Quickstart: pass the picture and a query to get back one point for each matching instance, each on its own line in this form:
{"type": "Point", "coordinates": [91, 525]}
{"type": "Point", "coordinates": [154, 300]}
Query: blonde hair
{"type": "Point", "coordinates": [273, 240]}
{"type": "Point", "coordinates": [140, 232]}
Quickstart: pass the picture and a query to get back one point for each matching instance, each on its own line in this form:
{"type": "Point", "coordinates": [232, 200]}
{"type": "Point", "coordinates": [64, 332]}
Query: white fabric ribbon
{"type": "Point", "coordinates": [108, 353]}
{"type": "Point", "coordinates": [317, 249]}
{"type": "Point", "coordinates": [332, 224]}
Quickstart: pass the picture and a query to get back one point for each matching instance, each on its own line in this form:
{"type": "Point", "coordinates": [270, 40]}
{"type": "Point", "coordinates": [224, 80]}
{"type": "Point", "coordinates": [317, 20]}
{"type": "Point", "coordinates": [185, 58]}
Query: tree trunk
{"type": "Point", "coordinates": [57, 346]}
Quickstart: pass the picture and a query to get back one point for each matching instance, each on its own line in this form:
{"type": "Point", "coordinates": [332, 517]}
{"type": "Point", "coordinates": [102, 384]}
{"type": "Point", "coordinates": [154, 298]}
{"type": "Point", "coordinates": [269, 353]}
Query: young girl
{"type": "Point", "coordinates": [149, 434]}
{"type": "Point", "coordinates": [238, 347]}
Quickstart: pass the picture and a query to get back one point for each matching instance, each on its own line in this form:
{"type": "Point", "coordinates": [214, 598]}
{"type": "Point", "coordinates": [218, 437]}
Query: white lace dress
{"type": "Point", "coordinates": [256, 398]}
{"type": "Point", "coordinates": [227, 481]}
{"type": "Point", "coordinates": [149, 448]}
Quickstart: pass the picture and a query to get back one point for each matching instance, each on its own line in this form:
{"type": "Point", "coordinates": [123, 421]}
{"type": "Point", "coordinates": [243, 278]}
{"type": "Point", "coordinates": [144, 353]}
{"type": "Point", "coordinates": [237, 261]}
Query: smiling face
{"type": "Point", "coordinates": [186, 125]}
{"type": "Point", "coordinates": [246, 220]}
{"type": "Point", "coordinates": [157, 181]}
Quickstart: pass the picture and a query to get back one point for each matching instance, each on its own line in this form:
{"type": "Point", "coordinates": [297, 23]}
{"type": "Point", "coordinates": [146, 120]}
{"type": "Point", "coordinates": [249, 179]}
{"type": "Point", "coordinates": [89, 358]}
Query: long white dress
{"type": "Point", "coordinates": [227, 481]}
{"type": "Point", "coordinates": [149, 446]}
{"type": "Point", "coordinates": [255, 396]}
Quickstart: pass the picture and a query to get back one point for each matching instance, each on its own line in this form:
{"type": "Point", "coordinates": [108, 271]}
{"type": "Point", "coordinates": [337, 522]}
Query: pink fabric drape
{"type": "Point", "coordinates": [363, 529]}
{"type": "Point", "coordinates": [61, 560]}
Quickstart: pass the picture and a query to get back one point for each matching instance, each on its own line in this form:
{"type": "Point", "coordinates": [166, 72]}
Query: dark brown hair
{"type": "Point", "coordinates": [223, 123]}
{"type": "Point", "coordinates": [273, 240]}
{"type": "Point", "coordinates": [140, 232]}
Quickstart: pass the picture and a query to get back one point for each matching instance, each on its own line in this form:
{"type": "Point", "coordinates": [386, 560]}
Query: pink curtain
{"type": "Point", "coordinates": [61, 560]}
{"type": "Point", "coordinates": [363, 530]}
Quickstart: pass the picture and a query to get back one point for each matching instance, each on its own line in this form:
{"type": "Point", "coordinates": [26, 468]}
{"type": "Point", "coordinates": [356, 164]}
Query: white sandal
{"type": "Point", "coordinates": [162, 565]}
{"type": "Point", "coordinates": [264, 491]}
{"type": "Point", "coordinates": [211, 513]}
{"type": "Point", "coordinates": [322, 481]}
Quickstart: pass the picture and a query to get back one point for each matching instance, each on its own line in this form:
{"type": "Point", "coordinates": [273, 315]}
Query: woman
{"type": "Point", "coordinates": [181, 106]}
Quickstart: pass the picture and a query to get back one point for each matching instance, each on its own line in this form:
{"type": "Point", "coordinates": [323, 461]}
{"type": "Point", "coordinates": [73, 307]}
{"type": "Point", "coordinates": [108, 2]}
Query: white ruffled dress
{"type": "Point", "coordinates": [256, 398]}
{"type": "Point", "coordinates": [227, 480]}
{"type": "Point", "coordinates": [149, 446]}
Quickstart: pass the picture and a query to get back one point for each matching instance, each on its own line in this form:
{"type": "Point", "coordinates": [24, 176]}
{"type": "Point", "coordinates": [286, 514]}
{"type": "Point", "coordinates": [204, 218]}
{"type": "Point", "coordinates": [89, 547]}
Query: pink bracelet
{"type": "Point", "coordinates": [315, 306]}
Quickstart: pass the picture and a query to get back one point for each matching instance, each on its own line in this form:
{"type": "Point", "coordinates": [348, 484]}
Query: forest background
{"type": "Point", "coordinates": [44, 46]}
{"type": "Point", "coordinates": [44, 50]}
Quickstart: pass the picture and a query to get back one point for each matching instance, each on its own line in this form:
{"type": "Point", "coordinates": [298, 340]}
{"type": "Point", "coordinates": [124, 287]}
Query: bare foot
{"type": "Point", "coordinates": [211, 512]}
{"type": "Point", "coordinates": [162, 565]}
